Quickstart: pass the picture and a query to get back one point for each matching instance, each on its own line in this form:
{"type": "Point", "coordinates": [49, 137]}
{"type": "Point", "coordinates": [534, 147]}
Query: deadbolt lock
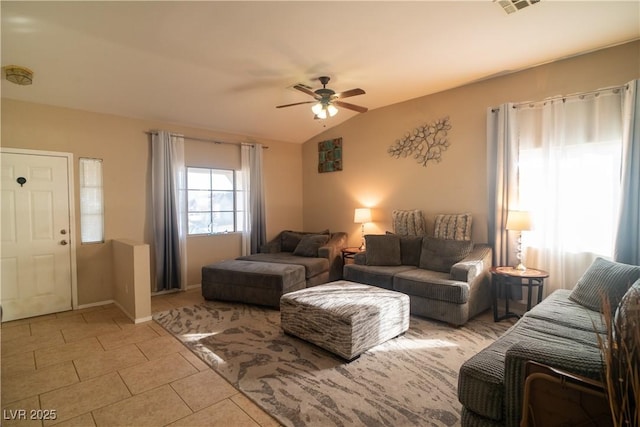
{"type": "Point", "coordinates": [63, 231]}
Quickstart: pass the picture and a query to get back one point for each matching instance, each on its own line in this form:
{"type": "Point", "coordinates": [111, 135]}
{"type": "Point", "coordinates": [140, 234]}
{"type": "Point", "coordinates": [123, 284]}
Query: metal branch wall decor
{"type": "Point", "coordinates": [426, 142]}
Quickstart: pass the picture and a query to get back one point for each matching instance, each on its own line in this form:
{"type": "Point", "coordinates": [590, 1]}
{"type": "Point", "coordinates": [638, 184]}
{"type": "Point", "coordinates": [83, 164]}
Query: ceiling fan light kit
{"type": "Point", "coordinates": [322, 110]}
{"type": "Point", "coordinates": [326, 99]}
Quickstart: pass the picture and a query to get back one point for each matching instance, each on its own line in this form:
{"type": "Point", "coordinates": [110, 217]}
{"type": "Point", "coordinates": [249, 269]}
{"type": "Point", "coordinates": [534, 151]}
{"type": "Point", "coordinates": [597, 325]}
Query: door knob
{"type": "Point", "coordinates": [63, 242]}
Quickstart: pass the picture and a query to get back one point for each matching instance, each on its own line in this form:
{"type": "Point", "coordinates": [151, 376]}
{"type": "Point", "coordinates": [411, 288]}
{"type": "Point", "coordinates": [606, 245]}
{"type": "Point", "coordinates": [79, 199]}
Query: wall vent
{"type": "Point", "coordinates": [512, 6]}
{"type": "Point", "coordinates": [293, 87]}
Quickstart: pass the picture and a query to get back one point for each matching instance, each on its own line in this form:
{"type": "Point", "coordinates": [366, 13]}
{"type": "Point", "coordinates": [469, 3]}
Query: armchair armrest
{"type": "Point", "coordinates": [332, 248]}
{"type": "Point", "coordinates": [332, 251]}
{"type": "Point", "coordinates": [475, 264]}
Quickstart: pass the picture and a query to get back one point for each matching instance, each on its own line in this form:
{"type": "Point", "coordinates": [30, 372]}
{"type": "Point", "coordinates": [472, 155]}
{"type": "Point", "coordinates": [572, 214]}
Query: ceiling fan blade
{"type": "Point", "coordinates": [352, 92]}
{"type": "Point", "coordinates": [305, 90]}
{"type": "Point", "coordinates": [353, 107]}
{"type": "Point", "coordinates": [295, 103]}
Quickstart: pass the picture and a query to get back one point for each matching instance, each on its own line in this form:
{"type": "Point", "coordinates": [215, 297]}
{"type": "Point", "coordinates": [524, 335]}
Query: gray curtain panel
{"type": "Point", "coordinates": [502, 175]}
{"type": "Point", "coordinates": [627, 245]}
{"type": "Point", "coordinates": [255, 229]}
{"type": "Point", "coordinates": [168, 186]}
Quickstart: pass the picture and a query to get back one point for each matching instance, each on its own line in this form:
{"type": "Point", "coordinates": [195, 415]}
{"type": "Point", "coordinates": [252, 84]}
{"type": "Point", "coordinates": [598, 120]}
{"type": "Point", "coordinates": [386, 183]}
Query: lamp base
{"type": "Point", "coordinates": [520, 267]}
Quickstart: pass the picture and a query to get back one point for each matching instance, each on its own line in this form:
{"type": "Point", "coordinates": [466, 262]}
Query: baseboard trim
{"type": "Point", "coordinates": [126, 313]}
{"type": "Point", "coordinates": [94, 304]}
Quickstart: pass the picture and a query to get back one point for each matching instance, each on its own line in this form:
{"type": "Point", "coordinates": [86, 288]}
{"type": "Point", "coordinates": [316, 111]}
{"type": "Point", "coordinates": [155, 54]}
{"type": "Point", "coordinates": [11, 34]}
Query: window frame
{"type": "Point", "coordinates": [98, 198]}
{"type": "Point", "coordinates": [236, 191]}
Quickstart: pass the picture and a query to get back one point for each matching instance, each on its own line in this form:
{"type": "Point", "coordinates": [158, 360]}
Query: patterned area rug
{"type": "Point", "coordinates": [410, 380]}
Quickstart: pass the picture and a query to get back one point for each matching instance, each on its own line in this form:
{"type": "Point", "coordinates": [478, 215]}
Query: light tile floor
{"type": "Point", "coordinates": [94, 367]}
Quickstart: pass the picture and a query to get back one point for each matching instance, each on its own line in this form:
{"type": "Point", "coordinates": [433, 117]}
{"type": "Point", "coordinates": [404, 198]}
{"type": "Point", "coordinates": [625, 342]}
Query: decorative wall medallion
{"type": "Point", "coordinates": [424, 143]}
{"type": "Point", "coordinates": [330, 155]}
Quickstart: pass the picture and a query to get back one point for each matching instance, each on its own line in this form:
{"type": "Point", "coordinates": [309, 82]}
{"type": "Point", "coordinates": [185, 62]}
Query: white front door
{"type": "Point", "coordinates": [36, 258]}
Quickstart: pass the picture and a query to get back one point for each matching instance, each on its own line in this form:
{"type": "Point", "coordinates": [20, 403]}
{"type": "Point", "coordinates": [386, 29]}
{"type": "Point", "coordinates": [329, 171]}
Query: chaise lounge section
{"type": "Point", "coordinates": [249, 282]}
{"type": "Point", "coordinates": [291, 261]}
{"type": "Point", "coordinates": [319, 253]}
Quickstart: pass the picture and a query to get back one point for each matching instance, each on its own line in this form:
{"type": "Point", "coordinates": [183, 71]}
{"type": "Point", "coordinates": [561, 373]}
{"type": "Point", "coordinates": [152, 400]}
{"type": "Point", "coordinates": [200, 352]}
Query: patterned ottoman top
{"type": "Point", "coordinates": [344, 299]}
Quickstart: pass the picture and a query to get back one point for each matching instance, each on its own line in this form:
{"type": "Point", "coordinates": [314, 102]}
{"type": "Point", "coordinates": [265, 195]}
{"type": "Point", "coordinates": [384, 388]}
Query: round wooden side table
{"type": "Point", "coordinates": [349, 253]}
{"type": "Point", "coordinates": [506, 277]}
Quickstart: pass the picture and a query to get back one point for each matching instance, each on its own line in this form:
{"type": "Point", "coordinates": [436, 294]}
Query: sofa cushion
{"type": "Point", "coordinates": [604, 278]}
{"type": "Point", "coordinates": [381, 276]}
{"type": "Point", "coordinates": [309, 244]}
{"type": "Point", "coordinates": [383, 249]}
{"type": "Point", "coordinates": [455, 227]}
{"type": "Point", "coordinates": [313, 266]}
{"type": "Point", "coordinates": [441, 254]}
{"type": "Point", "coordinates": [432, 285]}
{"type": "Point", "coordinates": [558, 308]}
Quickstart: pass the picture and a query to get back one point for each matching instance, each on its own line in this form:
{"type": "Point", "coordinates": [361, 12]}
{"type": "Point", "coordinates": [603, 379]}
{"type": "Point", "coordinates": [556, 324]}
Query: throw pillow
{"type": "Point", "coordinates": [382, 249]}
{"type": "Point", "coordinates": [289, 240]}
{"type": "Point", "coordinates": [604, 277]}
{"type": "Point", "coordinates": [441, 254]}
{"type": "Point", "coordinates": [627, 317]}
{"type": "Point", "coordinates": [456, 227]}
{"type": "Point", "coordinates": [410, 247]}
{"type": "Point", "coordinates": [309, 244]}
{"type": "Point", "coordinates": [407, 222]}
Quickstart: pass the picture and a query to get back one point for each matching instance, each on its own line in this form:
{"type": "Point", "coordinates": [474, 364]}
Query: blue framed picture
{"type": "Point", "coordinates": [330, 155]}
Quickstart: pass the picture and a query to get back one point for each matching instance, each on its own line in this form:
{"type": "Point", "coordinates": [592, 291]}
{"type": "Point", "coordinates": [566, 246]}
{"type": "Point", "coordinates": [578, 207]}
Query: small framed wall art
{"type": "Point", "coordinates": [330, 155]}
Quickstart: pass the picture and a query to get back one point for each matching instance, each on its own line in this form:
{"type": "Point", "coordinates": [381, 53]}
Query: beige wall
{"type": "Point", "coordinates": [132, 273]}
{"type": "Point", "coordinates": [457, 184]}
{"type": "Point", "coordinates": [125, 149]}
{"type": "Point", "coordinates": [297, 196]}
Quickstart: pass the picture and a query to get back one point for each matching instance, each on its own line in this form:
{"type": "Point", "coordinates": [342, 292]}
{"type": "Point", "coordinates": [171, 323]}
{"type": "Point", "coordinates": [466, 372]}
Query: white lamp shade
{"type": "Point", "coordinates": [316, 108]}
{"type": "Point", "coordinates": [518, 220]}
{"type": "Point", "coordinates": [362, 215]}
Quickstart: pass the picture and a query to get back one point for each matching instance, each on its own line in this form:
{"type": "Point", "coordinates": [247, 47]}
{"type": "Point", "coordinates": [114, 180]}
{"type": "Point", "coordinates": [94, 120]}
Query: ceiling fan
{"type": "Point", "coordinates": [326, 99]}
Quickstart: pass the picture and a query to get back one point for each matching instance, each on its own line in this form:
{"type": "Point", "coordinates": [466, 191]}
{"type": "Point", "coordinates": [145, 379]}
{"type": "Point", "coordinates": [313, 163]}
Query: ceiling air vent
{"type": "Point", "coordinates": [511, 6]}
{"type": "Point", "coordinates": [293, 87]}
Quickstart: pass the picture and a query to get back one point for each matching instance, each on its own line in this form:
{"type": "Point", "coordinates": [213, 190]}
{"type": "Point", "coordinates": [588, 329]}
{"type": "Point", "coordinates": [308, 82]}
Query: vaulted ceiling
{"type": "Point", "coordinates": [226, 65]}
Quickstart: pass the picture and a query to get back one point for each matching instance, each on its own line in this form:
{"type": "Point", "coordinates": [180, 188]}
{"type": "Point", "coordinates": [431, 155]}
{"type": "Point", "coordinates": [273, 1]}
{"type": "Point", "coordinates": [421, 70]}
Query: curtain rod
{"type": "Point", "coordinates": [193, 138]}
{"type": "Point", "coordinates": [614, 89]}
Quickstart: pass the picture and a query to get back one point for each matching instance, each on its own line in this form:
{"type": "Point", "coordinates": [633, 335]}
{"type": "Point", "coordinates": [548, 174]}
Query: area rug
{"type": "Point", "coordinates": [410, 380]}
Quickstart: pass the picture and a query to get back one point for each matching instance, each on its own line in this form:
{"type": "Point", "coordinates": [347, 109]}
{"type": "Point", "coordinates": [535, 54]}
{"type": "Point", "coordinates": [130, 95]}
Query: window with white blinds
{"type": "Point", "coordinates": [91, 201]}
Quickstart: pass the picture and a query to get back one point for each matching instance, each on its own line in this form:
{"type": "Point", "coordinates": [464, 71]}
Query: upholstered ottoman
{"type": "Point", "coordinates": [343, 317]}
{"type": "Point", "coordinates": [251, 282]}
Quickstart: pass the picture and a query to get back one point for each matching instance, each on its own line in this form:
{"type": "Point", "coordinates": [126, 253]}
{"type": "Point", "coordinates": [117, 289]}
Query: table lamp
{"type": "Point", "coordinates": [519, 221]}
{"type": "Point", "coordinates": [362, 216]}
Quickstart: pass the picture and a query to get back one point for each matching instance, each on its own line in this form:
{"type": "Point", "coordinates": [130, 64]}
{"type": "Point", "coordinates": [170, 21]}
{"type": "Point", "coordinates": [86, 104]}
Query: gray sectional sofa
{"type": "Point", "coordinates": [318, 252]}
{"type": "Point", "coordinates": [560, 332]}
{"type": "Point", "coordinates": [446, 280]}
